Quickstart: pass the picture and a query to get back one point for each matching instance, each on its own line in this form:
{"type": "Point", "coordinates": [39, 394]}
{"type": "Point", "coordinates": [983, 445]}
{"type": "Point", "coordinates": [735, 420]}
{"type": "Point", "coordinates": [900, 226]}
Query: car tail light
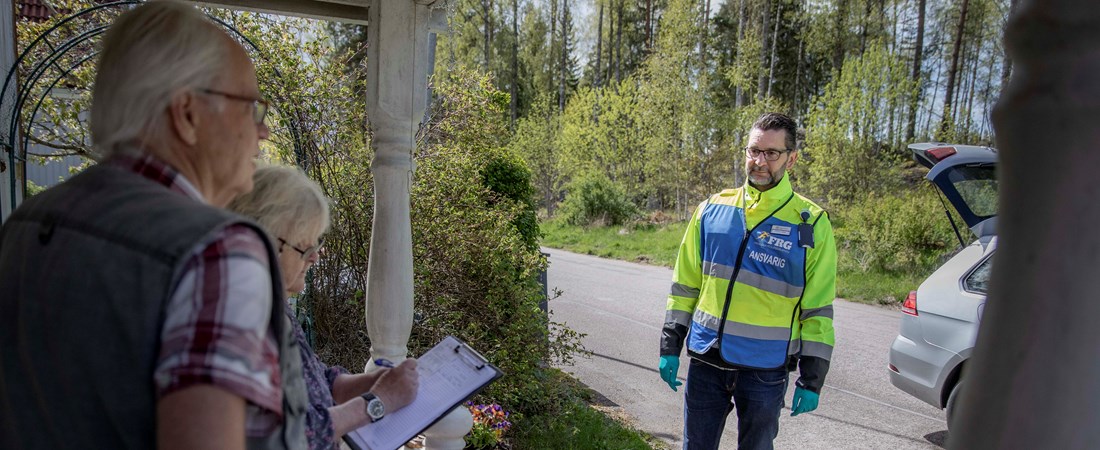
{"type": "Point", "coordinates": [910, 304]}
{"type": "Point", "coordinates": [893, 368]}
{"type": "Point", "coordinates": [940, 153]}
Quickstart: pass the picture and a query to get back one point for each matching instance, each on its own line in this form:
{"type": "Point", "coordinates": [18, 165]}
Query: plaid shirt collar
{"type": "Point", "coordinates": [160, 172]}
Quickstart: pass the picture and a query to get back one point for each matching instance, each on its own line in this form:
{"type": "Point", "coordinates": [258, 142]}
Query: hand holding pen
{"type": "Point", "coordinates": [398, 385]}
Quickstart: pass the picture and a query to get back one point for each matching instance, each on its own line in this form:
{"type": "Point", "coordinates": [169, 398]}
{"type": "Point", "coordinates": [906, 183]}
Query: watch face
{"type": "Point", "coordinates": [375, 408]}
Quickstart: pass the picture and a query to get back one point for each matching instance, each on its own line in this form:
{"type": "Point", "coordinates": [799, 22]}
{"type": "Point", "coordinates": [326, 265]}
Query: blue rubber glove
{"type": "Point", "coordinates": [804, 401]}
{"type": "Point", "coordinates": [669, 366]}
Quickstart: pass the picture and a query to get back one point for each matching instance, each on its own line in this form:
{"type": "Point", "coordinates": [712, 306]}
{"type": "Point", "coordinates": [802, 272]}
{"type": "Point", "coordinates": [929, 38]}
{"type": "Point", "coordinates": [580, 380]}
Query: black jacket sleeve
{"type": "Point", "coordinates": [812, 372]}
{"type": "Point", "coordinates": [672, 338]}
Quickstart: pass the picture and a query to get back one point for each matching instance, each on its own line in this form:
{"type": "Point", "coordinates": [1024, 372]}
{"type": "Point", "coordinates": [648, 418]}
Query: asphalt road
{"type": "Point", "coordinates": [620, 307]}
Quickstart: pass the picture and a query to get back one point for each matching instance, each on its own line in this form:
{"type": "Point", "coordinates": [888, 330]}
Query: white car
{"type": "Point", "coordinates": [940, 319]}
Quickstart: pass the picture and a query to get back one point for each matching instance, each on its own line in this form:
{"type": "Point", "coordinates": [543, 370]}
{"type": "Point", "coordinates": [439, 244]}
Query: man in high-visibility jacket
{"type": "Point", "coordinates": [752, 293]}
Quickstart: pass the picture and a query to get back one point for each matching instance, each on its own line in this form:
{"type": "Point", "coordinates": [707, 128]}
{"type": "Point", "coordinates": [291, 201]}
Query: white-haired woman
{"type": "Point", "coordinates": [295, 214]}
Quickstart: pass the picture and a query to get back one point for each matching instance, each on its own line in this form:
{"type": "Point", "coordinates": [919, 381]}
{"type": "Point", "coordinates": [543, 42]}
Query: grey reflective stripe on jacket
{"type": "Point", "coordinates": [680, 290]}
{"type": "Point", "coordinates": [766, 284]}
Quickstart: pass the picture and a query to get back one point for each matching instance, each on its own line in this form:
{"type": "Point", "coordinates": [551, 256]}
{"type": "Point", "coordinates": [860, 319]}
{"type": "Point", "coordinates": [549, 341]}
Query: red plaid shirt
{"type": "Point", "coordinates": [217, 323]}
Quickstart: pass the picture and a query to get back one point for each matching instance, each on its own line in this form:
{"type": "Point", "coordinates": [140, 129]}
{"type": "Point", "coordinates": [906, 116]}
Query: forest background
{"type": "Point", "coordinates": [553, 120]}
{"type": "Point", "coordinates": [631, 112]}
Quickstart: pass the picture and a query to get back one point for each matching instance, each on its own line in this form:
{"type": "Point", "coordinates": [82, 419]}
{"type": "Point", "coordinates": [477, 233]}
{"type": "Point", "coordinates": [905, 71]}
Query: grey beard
{"type": "Point", "coordinates": [770, 179]}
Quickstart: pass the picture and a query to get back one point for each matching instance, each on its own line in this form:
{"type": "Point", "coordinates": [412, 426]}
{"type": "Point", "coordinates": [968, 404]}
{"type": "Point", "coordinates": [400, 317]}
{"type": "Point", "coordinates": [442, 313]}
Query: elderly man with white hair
{"type": "Point", "coordinates": [136, 312]}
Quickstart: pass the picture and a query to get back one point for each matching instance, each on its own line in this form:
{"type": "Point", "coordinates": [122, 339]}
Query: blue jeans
{"type": "Point", "coordinates": [757, 395]}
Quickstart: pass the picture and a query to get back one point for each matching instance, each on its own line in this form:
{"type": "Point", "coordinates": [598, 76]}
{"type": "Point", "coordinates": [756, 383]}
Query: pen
{"type": "Point", "coordinates": [383, 362]}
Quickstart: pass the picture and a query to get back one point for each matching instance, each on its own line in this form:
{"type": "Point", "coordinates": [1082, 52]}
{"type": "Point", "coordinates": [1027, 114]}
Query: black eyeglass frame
{"type": "Point", "coordinates": [307, 253]}
{"type": "Point", "coordinates": [260, 106]}
{"type": "Point", "coordinates": [753, 153]}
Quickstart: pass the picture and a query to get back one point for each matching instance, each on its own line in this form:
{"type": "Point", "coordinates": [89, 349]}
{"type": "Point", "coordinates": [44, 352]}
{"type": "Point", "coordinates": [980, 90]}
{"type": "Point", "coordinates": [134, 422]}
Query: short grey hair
{"type": "Point", "coordinates": [150, 53]}
{"type": "Point", "coordinates": [286, 203]}
{"type": "Point", "coordinates": [779, 121]}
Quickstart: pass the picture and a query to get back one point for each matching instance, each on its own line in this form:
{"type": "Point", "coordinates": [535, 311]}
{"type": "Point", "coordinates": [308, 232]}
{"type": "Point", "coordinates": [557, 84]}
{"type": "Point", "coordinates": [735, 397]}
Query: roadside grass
{"type": "Point", "coordinates": [876, 286]}
{"type": "Point", "coordinates": [583, 421]}
{"type": "Point", "coordinates": [658, 244]}
{"type": "Point", "coordinates": [650, 244]}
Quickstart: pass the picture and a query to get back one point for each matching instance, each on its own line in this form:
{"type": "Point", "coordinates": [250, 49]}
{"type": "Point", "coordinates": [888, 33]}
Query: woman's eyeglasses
{"type": "Point", "coordinates": [306, 253]}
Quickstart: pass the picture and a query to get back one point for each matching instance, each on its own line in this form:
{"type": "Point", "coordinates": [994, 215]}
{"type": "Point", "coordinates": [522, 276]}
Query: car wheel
{"type": "Point", "coordinates": [952, 401]}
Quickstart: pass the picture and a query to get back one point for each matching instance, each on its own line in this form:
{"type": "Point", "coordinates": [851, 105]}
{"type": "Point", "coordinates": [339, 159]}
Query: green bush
{"type": "Point", "coordinates": [475, 255]}
{"type": "Point", "coordinates": [593, 199]}
{"type": "Point", "coordinates": [896, 232]}
{"type": "Point", "coordinates": [509, 179]}
{"type": "Point", "coordinates": [476, 272]}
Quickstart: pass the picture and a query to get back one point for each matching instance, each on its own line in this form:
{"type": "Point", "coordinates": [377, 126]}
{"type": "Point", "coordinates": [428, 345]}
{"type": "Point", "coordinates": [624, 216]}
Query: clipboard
{"type": "Point", "coordinates": [450, 373]}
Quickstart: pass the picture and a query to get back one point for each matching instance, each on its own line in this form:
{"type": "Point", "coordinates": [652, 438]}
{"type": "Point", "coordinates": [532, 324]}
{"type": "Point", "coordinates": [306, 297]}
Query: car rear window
{"type": "Point", "coordinates": [978, 187]}
{"type": "Point", "coordinates": [978, 280]}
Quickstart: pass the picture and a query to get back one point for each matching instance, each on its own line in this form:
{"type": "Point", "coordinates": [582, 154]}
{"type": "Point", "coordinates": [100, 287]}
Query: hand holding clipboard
{"type": "Point", "coordinates": [449, 374]}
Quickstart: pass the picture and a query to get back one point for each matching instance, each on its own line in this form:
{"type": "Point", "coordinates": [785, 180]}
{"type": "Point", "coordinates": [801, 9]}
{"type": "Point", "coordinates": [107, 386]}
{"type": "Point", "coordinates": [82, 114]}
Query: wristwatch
{"type": "Point", "coordinates": [374, 409]}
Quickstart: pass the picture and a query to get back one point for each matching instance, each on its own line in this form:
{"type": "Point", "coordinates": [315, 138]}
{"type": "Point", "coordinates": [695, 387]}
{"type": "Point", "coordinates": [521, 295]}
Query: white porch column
{"type": "Point", "coordinates": [1032, 380]}
{"type": "Point", "coordinates": [397, 71]}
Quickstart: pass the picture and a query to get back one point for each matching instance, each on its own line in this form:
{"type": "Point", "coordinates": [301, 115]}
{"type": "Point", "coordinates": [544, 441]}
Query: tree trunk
{"type": "Point", "coordinates": [952, 72]}
{"type": "Point", "coordinates": [705, 32]}
{"type": "Point", "coordinates": [648, 25]}
{"type": "Point", "coordinates": [515, 63]}
{"type": "Point", "coordinates": [963, 84]}
{"type": "Point", "coordinates": [970, 90]}
{"type": "Point", "coordinates": [883, 24]}
{"type": "Point", "coordinates": [611, 42]}
{"type": "Point", "coordinates": [552, 60]}
{"type": "Point", "coordinates": [894, 33]}
{"type": "Point", "coordinates": [840, 34]}
{"type": "Point", "coordinates": [864, 23]}
{"type": "Point", "coordinates": [1030, 382]}
{"type": "Point", "coordinates": [891, 133]}
{"type": "Point", "coordinates": [918, 50]}
{"type": "Point", "coordinates": [797, 83]}
{"type": "Point", "coordinates": [599, 46]}
{"type": "Point", "coordinates": [487, 31]}
{"type": "Point", "coordinates": [775, 38]}
{"type": "Point", "coordinates": [987, 100]}
{"type": "Point", "coordinates": [761, 82]}
{"type": "Point", "coordinates": [619, 46]}
{"type": "Point", "coordinates": [1006, 67]}
{"type": "Point", "coordinates": [564, 54]}
{"type": "Point", "coordinates": [742, 21]}
{"type": "Point", "coordinates": [548, 196]}
{"type": "Point", "coordinates": [932, 107]}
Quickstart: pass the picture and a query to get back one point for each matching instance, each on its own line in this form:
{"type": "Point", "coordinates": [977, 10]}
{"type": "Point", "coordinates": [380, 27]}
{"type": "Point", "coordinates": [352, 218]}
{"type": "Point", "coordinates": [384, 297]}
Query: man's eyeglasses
{"type": "Point", "coordinates": [769, 155]}
{"type": "Point", "coordinates": [306, 253]}
{"type": "Point", "coordinates": [259, 105]}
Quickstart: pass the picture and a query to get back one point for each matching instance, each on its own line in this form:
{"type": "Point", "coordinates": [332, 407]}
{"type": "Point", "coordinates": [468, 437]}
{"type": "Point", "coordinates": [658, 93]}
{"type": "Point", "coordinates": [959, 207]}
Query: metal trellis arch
{"type": "Point", "coordinates": [17, 148]}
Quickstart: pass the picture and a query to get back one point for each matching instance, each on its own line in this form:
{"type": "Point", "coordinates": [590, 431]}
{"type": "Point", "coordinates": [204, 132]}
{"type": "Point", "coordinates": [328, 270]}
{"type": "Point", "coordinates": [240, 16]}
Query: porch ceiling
{"type": "Point", "coordinates": [349, 11]}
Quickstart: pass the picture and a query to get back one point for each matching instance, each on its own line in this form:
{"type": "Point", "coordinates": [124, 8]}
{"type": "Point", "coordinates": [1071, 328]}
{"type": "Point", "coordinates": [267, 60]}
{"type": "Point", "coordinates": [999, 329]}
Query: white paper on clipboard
{"type": "Point", "coordinates": [450, 373]}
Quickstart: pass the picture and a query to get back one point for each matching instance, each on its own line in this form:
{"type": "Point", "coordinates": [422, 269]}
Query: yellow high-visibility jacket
{"type": "Point", "coordinates": [779, 307]}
